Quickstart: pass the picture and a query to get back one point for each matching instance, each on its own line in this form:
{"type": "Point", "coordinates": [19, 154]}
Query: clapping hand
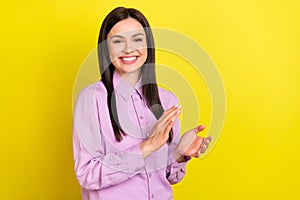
{"type": "Point", "coordinates": [191, 144]}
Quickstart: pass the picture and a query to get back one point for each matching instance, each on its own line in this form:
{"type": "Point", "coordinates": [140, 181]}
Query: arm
{"type": "Point", "coordinates": [176, 168]}
{"type": "Point", "coordinates": [188, 146]}
{"type": "Point", "coordinates": [94, 173]}
{"type": "Point", "coordinates": [95, 169]}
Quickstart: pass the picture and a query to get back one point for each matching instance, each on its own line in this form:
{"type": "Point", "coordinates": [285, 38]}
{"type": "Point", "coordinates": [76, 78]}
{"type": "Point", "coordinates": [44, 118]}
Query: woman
{"type": "Point", "coordinates": [126, 130]}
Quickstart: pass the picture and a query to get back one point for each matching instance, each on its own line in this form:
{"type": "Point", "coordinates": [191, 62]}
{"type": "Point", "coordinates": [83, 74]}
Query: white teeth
{"type": "Point", "coordinates": [128, 58]}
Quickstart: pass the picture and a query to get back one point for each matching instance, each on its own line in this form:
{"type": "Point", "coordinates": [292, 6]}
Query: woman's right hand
{"type": "Point", "coordinates": [160, 131]}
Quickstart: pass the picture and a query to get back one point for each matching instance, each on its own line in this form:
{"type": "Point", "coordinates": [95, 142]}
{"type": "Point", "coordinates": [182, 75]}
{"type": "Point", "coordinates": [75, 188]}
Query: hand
{"type": "Point", "coordinates": [191, 144]}
{"type": "Point", "coordinates": [160, 131]}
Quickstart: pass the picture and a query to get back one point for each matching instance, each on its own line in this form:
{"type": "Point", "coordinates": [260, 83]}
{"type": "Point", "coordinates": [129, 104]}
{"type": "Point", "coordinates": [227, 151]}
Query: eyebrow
{"type": "Point", "coordinates": [137, 34]}
{"type": "Point", "coordinates": [120, 36]}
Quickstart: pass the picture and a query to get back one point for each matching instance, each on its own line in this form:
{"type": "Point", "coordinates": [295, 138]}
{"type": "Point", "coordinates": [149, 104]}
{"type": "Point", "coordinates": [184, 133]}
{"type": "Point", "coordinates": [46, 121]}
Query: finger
{"type": "Point", "coordinates": [197, 145]}
{"type": "Point", "coordinates": [205, 144]}
{"type": "Point", "coordinates": [168, 124]}
{"type": "Point", "coordinates": [200, 143]}
{"type": "Point", "coordinates": [168, 127]}
{"type": "Point", "coordinates": [199, 128]}
{"type": "Point", "coordinates": [171, 116]}
{"type": "Point", "coordinates": [174, 115]}
{"type": "Point", "coordinates": [203, 149]}
{"type": "Point", "coordinates": [207, 141]}
{"type": "Point", "coordinates": [174, 112]}
{"type": "Point", "coordinates": [175, 107]}
{"type": "Point", "coordinates": [168, 113]}
{"type": "Point", "coordinates": [160, 126]}
{"type": "Point", "coordinates": [210, 138]}
{"type": "Point", "coordinates": [161, 122]}
{"type": "Point", "coordinates": [196, 154]}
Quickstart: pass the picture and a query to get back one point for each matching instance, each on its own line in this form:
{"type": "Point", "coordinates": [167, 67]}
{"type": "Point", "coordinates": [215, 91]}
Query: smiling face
{"type": "Point", "coordinates": [127, 46]}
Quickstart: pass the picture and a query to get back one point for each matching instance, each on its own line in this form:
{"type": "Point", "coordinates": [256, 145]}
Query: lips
{"type": "Point", "coordinates": [128, 59]}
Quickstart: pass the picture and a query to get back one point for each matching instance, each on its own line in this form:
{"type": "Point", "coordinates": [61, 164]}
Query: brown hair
{"type": "Point", "coordinates": [149, 88]}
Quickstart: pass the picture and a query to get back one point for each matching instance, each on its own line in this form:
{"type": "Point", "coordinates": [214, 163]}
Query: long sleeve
{"type": "Point", "coordinates": [94, 167]}
{"type": "Point", "coordinates": [175, 171]}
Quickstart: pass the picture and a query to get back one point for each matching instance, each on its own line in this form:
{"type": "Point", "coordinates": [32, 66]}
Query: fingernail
{"type": "Point", "coordinates": [176, 105]}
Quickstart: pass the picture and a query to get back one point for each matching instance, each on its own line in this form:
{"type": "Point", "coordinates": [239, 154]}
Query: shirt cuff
{"type": "Point", "coordinates": [181, 164]}
{"type": "Point", "coordinates": [187, 158]}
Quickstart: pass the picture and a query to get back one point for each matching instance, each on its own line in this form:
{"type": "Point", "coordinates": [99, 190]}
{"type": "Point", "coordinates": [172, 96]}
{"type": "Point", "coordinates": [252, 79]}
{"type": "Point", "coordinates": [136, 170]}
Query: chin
{"type": "Point", "coordinates": [133, 70]}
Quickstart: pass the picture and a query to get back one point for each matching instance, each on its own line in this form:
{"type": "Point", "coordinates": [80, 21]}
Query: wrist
{"type": "Point", "coordinates": [145, 149]}
{"type": "Point", "coordinates": [179, 157]}
{"type": "Point", "coordinates": [177, 154]}
{"type": "Point", "coordinates": [183, 158]}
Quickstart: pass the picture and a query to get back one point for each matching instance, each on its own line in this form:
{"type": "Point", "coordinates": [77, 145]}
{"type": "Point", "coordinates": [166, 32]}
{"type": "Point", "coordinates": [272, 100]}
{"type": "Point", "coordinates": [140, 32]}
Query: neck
{"type": "Point", "coordinates": [132, 78]}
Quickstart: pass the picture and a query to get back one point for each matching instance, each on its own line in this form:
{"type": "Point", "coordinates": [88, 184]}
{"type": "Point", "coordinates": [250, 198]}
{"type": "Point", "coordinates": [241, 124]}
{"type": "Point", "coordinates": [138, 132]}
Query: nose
{"type": "Point", "coordinates": [128, 48]}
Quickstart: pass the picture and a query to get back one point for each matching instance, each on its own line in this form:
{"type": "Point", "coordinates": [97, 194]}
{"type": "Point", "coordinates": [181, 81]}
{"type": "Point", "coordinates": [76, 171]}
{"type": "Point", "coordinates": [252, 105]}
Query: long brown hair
{"type": "Point", "coordinates": [149, 88]}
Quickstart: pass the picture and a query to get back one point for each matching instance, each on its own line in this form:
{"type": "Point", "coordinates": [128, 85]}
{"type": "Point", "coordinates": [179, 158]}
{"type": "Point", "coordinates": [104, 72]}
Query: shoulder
{"type": "Point", "coordinates": [92, 91]}
{"type": "Point", "coordinates": [167, 98]}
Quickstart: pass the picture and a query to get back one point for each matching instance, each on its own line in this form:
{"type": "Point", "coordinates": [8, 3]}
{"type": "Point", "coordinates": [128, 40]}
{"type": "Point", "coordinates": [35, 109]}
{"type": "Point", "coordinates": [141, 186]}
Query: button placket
{"type": "Point", "coordinates": [150, 186]}
{"type": "Point", "coordinates": [140, 111]}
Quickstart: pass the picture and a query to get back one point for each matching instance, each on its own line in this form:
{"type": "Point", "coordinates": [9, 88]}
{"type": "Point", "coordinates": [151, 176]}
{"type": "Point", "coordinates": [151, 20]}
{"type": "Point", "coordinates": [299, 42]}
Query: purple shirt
{"type": "Point", "coordinates": [107, 169]}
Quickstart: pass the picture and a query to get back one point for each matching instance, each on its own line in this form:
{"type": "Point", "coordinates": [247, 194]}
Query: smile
{"type": "Point", "coordinates": [128, 59]}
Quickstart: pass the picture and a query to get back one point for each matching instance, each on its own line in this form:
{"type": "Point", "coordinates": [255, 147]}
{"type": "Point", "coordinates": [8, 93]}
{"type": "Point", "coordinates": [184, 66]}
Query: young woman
{"type": "Point", "coordinates": [126, 135]}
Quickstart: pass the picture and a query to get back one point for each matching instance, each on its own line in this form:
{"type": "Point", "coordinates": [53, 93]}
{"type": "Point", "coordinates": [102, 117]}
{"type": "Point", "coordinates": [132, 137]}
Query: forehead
{"type": "Point", "coordinates": [126, 27]}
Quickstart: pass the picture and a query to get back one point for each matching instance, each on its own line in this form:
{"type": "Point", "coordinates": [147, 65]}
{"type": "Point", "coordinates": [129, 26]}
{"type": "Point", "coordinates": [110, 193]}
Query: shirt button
{"type": "Point", "coordinates": [152, 196]}
{"type": "Point", "coordinates": [149, 175]}
{"type": "Point", "coordinates": [141, 117]}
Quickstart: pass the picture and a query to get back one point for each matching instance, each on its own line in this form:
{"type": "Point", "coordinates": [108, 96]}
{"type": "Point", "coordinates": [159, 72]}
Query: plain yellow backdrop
{"type": "Point", "coordinates": [255, 45]}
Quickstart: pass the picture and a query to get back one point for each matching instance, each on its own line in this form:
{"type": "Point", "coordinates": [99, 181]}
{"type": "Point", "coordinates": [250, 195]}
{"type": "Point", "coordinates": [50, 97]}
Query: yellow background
{"type": "Point", "coordinates": [255, 45]}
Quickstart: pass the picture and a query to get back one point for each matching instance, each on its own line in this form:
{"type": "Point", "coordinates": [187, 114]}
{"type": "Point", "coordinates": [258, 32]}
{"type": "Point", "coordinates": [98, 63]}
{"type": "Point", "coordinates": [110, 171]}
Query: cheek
{"type": "Point", "coordinates": [144, 53]}
{"type": "Point", "coordinates": [112, 56]}
{"type": "Point", "coordinates": [113, 53]}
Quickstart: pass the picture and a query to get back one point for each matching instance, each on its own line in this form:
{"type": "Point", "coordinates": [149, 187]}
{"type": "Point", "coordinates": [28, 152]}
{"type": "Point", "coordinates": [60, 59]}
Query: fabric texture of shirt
{"type": "Point", "coordinates": [107, 169]}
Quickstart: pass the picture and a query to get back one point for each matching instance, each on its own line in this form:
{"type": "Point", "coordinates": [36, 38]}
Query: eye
{"type": "Point", "coordinates": [117, 41]}
{"type": "Point", "coordinates": [138, 40]}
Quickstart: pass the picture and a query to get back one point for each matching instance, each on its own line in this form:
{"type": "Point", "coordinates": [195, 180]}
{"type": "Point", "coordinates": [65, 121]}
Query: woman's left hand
{"type": "Point", "coordinates": [191, 144]}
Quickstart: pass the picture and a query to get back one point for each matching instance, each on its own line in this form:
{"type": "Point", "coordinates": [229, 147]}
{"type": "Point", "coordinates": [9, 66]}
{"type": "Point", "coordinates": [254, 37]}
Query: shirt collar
{"type": "Point", "coordinates": [123, 88]}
